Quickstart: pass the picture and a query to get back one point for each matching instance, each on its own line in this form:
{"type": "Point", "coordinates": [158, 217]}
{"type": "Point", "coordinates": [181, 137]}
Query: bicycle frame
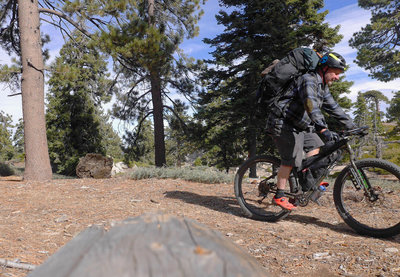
{"type": "Point", "coordinates": [359, 178]}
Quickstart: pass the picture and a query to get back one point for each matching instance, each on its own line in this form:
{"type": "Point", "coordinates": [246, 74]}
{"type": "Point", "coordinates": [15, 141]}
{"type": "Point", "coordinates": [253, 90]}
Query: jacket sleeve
{"type": "Point", "coordinates": [308, 93]}
{"type": "Point", "coordinates": [312, 102]}
{"type": "Point", "coordinates": [332, 107]}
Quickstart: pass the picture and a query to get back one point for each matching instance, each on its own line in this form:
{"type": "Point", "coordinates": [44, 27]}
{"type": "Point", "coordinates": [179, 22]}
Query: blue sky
{"type": "Point", "coordinates": [342, 12]}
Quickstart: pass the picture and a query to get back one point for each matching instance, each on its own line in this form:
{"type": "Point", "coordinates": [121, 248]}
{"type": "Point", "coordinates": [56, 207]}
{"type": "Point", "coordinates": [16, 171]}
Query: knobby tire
{"type": "Point", "coordinates": [379, 216]}
{"type": "Point", "coordinates": [247, 183]}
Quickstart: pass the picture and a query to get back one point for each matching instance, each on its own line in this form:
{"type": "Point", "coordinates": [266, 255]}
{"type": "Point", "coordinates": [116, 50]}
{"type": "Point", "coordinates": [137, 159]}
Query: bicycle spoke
{"type": "Point", "coordinates": [373, 207]}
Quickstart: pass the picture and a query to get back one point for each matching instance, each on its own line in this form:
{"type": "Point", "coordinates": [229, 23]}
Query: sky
{"type": "Point", "coordinates": [341, 12]}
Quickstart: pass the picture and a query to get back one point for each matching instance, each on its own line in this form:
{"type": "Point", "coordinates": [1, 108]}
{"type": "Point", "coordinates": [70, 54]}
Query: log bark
{"type": "Point", "coordinates": [151, 245]}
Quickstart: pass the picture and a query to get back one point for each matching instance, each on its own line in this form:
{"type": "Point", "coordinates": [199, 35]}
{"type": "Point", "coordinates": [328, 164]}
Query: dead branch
{"type": "Point", "coordinates": [14, 94]}
{"type": "Point", "coordinates": [7, 263]}
{"type": "Point", "coordinates": [64, 16]}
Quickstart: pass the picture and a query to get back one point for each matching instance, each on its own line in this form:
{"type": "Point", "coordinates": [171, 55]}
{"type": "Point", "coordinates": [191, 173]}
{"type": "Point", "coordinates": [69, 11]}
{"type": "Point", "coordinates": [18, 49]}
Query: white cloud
{"type": "Point", "coordinates": [386, 88]}
{"type": "Point", "coordinates": [351, 18]}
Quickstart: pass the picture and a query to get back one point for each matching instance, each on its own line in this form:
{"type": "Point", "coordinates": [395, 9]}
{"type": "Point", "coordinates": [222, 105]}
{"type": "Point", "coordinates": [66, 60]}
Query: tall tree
{"type": "Point", "coordinates": [374, 98]}
{"type": "Point", "coordinates": [78, 86]}
{"type": "Point", "coordinates": [378, 43]}
{"type": "Point", "coordinates": [20, 34]}
{"type": "Point", "coordinates": [362, 117]}
{"type": "Point", "coordinates": [145, 42]}
{"type": "Point", "coordinates": [256, 33]}
{"type": "Point", "coordinates": [37, 163]}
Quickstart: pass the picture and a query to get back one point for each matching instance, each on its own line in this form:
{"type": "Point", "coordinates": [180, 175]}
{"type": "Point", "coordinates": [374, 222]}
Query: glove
{"type": "Point", "coordinates": [330, 136]}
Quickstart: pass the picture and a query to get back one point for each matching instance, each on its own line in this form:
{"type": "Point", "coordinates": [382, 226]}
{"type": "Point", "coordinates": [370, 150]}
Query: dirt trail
{"type": "Point", "coordinates": [36, 219]}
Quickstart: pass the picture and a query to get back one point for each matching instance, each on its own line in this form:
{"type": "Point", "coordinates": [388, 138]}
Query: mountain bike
{"type": "Point", "coordinates": [366, 192]}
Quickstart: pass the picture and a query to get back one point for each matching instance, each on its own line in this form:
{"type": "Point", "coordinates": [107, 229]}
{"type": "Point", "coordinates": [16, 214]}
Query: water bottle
{"type": "Point", "coordinates": [318, 193]}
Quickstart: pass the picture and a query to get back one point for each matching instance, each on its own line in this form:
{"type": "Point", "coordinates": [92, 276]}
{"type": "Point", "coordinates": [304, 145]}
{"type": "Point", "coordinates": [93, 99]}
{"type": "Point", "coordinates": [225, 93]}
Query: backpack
{"type": "Point", "coordinates": [279, 76]}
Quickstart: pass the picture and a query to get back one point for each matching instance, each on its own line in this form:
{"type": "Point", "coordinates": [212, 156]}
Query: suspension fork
{"type": "Point", "coordinates": [357, 175]}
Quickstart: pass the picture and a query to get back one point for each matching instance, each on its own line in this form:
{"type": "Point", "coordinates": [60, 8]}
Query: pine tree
{"type": "Point", "coordinates": [20, 35]}
{"type": "Point", "coordinates": [362, 117]}
{"type": "Point", "coordinates": [378, 43]}
{"type": "Point", "coordinates": [256, 33]}
{"type": "Point", "coordinates": [374, 98]}
{"type": "Point", "coordinates": [150, 64]}
{"type": "Point", "coordinates": [78, 85]}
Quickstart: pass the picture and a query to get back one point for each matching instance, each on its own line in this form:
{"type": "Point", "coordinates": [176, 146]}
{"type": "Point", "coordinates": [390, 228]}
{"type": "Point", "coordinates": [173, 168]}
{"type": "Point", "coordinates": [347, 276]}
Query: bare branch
{"type": "Point", "coordinates": [15, 94]}
{"type": "Point", "coordinates": [140, 126]}
{"type": "Point", "coordinates": [6, 263]}
{"type": "Point", "coordinates": [178, 117]}
{"type": "Point", "coordinates": [64, 16]}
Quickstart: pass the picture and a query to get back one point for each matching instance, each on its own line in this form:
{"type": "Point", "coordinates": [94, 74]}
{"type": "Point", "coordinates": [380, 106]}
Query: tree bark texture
{"type": "Point", "coordinates": [151, 245]}
{"type": "Point", "coordinates": [158, 118]}
{"type": "Point", "coordinates": [37, 162]}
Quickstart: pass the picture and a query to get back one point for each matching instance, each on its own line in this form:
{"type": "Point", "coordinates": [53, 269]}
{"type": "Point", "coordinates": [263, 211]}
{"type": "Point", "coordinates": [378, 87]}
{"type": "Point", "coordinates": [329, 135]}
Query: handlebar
{"type": "Point", "coordinates": [362, 131]}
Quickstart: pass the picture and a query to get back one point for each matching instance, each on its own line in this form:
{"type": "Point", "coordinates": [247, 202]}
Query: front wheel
{"type": "Point", "coordinates": [255, 185]}
{"type": "Point", "coordinates": [369, 202]}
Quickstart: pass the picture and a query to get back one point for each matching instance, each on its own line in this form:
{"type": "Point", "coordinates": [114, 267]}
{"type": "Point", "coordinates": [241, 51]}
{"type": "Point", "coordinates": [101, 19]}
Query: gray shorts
{"type": "Point", "coordinates": [292, 145]}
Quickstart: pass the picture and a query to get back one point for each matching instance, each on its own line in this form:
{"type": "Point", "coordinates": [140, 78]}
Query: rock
{"type": "Point", "coordinates": [94, 166]}
{"type": "Point", "coordinates": [391, 250]}
{"type": "Point", "coordinates": [62, 218]}
{"type": "Point", "coordinates": [119, 167]}
{"type": "Point", "coordinates": [321, 256]}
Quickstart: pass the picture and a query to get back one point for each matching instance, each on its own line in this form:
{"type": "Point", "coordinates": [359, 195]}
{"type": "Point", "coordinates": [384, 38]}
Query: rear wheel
{"type": "Point", "coordinates": [372, 205]}
{"type": "Point", "coordinates": [255, 185]}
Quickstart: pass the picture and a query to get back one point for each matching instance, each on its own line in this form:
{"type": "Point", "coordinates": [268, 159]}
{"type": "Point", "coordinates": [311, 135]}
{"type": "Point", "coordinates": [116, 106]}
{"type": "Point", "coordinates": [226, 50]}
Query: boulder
{"type": "Point", "coordinates": [94, 166]}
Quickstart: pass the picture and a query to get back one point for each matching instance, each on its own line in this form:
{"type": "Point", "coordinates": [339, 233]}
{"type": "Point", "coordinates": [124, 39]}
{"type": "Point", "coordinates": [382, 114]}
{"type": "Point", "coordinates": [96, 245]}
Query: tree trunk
{"type": "Point", "coordinates": [252, 136]}
{"type": "Point", "coordinates": [37, 162]}
{"type": "Point", "coordinates": [158, 118]}
{"type": "Point", "coordinates": [379, 147]}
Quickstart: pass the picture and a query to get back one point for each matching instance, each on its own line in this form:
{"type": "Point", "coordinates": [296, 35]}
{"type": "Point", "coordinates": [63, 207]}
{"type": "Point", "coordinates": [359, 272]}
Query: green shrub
{"type": "Point", "coordinates": [194, 174]}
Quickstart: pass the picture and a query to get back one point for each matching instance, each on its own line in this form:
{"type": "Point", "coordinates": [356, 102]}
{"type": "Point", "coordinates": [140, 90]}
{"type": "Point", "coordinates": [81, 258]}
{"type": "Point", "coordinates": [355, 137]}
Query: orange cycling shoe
{"type": "Point", "coordinates": [283, 203]}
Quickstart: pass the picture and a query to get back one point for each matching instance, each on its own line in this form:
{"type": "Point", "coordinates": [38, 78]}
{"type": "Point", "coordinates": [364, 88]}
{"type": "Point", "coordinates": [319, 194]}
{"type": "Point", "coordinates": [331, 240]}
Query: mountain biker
{"type": "Point", "coordinates": [296, 120]}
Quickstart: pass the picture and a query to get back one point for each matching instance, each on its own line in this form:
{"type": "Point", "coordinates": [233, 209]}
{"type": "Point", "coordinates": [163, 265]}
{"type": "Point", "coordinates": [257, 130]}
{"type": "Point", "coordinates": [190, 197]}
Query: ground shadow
{"type": "Point", "coordinates": [227, 205]}
{"type": "Point", "coordinates": [230, 206]}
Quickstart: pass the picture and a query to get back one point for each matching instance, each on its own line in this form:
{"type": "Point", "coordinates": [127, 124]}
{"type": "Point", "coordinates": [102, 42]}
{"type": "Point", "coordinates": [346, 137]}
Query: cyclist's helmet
{"type": "Point", "coordinates": [333, 60]}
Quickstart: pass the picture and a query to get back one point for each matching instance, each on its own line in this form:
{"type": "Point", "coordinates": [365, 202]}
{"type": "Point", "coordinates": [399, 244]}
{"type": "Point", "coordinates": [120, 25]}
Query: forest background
{"type": "Point", "coordinates": [98, 89]}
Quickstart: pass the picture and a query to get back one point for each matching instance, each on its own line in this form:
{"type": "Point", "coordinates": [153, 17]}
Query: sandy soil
{"type": "Point", "coordinates": [36, 219]}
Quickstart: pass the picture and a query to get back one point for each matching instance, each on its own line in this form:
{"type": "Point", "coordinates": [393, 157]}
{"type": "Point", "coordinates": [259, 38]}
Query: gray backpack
{"type": "Point", "coordinates": [279, 76]}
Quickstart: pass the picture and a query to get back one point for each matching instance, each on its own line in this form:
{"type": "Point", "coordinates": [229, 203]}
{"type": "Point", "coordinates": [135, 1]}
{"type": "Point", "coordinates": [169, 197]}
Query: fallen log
{"type": "Point", "coordinates": [150, 245]}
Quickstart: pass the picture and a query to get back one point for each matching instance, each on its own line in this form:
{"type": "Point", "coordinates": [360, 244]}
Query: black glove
{"type": "Point", "coordinates": [330, 136]}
